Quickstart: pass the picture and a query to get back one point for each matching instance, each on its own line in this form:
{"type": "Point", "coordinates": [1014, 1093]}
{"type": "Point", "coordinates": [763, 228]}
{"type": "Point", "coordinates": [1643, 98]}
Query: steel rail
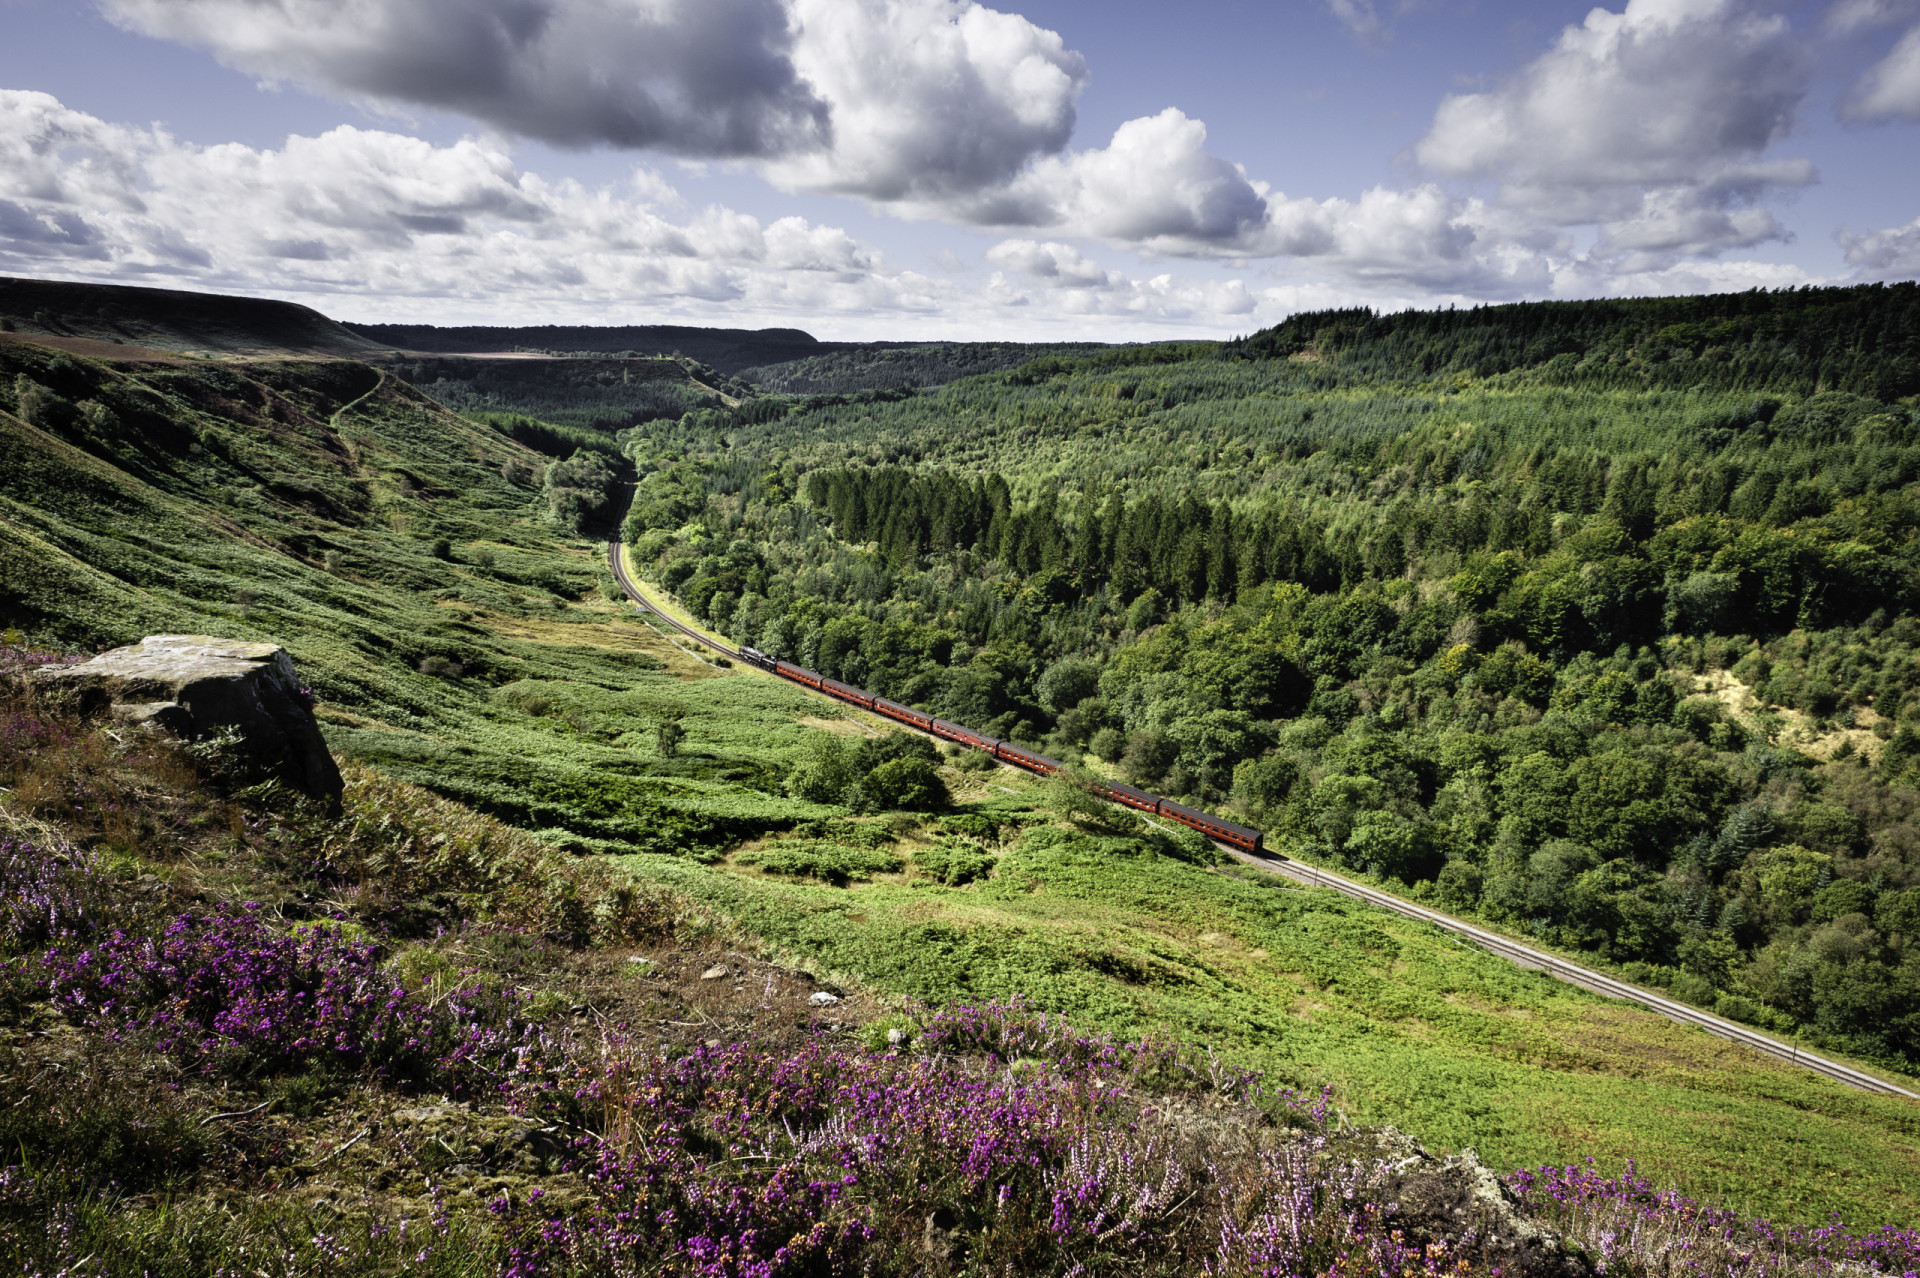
{"type": "Point", "coordinates": [1524, 956]}
{"type": "Point", "coordinates": [617, 563]}
{"type": "Point", "coordinates": [1573, 974]}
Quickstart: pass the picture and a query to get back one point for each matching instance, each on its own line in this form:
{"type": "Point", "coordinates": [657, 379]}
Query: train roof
{"type": "Point", "coordinates": [1210, 819]}
{"type": "Point", "coordinates": [1034, 755]}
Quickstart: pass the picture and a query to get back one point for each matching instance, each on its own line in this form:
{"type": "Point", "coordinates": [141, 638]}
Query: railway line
{"type": "Point", "coordinates": [1239, 837]}
{"type": "Point", "coordinates": [1245, 845]}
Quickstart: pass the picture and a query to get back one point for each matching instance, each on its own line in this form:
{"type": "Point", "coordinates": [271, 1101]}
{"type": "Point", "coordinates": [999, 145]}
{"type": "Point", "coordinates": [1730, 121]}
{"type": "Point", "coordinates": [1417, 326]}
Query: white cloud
{"type": "Point", "coordinates": [1358, 16]}
{"type": "Point", "coordinates": [1070, 284]}
{"type": "Point", "coordinates": [396, 219]}
{"type": "Point", "coordinates": [1154, 185]}
{"type": "Point", "coordinates": [1059, 265]}
{"type": "Point", "coordinates": [694, 77]}
{"type": "Point", "coordinates": [1890, 87]}
{"type": "Point", "coordinates": [930, 99]}
{"type": "Point", "coordinates": [1884, 255]}
{"type": "Point", "coordinates": [888, 100]}
{"type": "Point", "coordinates": [380, 225]}
{"type": "Point", "coordinates": [1650, 122]}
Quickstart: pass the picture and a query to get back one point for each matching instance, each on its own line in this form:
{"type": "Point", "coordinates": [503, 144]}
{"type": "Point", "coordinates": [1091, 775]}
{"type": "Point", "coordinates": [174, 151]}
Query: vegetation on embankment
{"type": "Point", "coordinates": [240, 1032]}
{"type": "Point", "coordinates": [1595, 620]}
{"type": "Point", "coordinates": [461, 637]}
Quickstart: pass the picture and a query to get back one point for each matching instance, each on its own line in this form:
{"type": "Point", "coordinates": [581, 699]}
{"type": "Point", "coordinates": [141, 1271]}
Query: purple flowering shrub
{"type": "Point", "coordinates": [48, 893]}
{"type": "Point", "coordinates": [733, 1161]}
{"type": "Point", "coordinates": [1625, 1223]}
{"type": "Point", "coordinates": [1004, 1143]}
{"type": "Point", "coordinates": [228, 991]}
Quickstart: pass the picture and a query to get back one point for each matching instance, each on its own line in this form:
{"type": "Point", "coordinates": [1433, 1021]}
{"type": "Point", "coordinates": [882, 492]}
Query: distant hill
{"type": "Point", "coordinates": [783, 360]}
{"type": "Point", "coordinates": [1864, 340]}
{"type": "Point", "coordinates": [894, 366]}
{"type": "Point", "coordinates": [727, 349]}
{"type": "Point", "coordinates": [173, 321]}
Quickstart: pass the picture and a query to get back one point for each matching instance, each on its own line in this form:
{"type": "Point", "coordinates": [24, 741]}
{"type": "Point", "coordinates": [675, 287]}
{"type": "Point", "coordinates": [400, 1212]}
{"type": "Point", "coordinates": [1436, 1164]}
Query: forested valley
{"type": "Point", "coordinates": [1594, 620]}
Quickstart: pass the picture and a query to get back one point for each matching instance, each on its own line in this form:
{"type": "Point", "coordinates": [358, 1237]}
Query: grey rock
{"type": "Point", "coordinates": [714, 973]}
{"type": "Point", "coordinates": [1462, 1202]}
{"type": "Point", "coordinates": [820, 998]}
{"type": "Point", "coordinates": [194, 686]}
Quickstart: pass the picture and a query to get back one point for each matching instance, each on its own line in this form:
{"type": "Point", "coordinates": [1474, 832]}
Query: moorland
{"type": "Point", "coordinates": [1591, 621]}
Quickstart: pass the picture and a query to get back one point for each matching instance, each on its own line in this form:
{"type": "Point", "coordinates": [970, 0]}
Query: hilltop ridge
{"type": "Point", "coordinates": [60, 313]}
{"type": "Point", "coordinates": [727, 349]}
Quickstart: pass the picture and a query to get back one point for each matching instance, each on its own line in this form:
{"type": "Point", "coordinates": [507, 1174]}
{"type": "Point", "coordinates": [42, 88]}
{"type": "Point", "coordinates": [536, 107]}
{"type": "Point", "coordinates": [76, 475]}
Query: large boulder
{"type": "Point", "coordinates": [196, 686]}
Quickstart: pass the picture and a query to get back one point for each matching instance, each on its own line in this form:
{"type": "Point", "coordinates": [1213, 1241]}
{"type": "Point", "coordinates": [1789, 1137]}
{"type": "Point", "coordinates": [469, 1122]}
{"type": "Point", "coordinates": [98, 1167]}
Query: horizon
{"type": "Point", "coordinates": [936, 170]}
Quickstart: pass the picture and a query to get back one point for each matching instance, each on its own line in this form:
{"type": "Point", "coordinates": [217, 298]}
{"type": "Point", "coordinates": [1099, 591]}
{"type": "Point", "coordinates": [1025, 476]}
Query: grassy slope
{"type": "Point", "coordinates": [1410, 1026]}
{"type": "Point", "coordinates": [214, 506]}
{"type": "Point", "coordinates": [245, 477]}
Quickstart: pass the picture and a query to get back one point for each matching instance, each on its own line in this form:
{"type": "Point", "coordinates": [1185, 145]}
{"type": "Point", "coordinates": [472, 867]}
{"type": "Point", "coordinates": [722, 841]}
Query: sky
{"type": "Point", "coordinates": [938, 169]}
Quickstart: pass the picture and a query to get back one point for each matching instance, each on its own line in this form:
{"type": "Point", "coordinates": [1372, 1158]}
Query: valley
{"type": "Point", "coordinates": [1592, 623]}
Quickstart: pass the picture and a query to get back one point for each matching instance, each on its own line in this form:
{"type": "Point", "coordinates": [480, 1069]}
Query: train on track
{"type": "Point", "coordinates": [1239, 836]}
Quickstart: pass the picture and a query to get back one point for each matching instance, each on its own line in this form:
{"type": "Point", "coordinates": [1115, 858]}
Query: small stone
{"type": "Point", "coordinates": [895, 1037]}
{"type": "Point", "coordinates": [714, 973]}
{"type": "Point", "coordinates": [821, 998]}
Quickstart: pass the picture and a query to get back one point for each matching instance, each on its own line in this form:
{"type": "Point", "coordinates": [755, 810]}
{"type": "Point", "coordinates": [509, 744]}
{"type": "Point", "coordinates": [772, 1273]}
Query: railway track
{"type": "Point", "coordinates": [617, 563]}
{"type": "Point", "coordinates": [1573, 974]}
{"type": "Point", "coordinates": [1513, 951]}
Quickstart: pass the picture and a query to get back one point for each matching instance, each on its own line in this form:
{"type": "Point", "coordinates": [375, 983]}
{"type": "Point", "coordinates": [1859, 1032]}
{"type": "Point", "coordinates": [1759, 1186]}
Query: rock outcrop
{"type": "Point", "coordinates": [197, 686]}
{"type": "Point", "coordinates": [1461, 1202]}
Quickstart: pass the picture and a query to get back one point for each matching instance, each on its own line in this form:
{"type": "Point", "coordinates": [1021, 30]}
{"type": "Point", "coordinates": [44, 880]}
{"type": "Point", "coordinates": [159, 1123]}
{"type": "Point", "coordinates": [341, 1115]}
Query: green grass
{"type": "Point", "coordinates": [300, 503]}
{"type": "Point", "coordinates": [828, 862]}
{"type": "Point", "coordinates": [1410, 1026]}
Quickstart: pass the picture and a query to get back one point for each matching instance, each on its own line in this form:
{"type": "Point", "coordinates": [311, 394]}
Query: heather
{"type": "Point", "coordinates": [228, 991]}
{"type": "Point", "coordinates": [555, 835]}
{"type": "Point", "coordinates": [251, 1034]}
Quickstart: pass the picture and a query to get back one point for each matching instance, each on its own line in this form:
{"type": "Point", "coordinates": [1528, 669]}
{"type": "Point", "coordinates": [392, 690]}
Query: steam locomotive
{"type": "Point", "coordinates": [1238, 836]}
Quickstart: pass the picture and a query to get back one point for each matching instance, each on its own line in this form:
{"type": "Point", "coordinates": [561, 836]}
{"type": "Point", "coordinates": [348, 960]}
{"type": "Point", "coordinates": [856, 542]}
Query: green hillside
{"type": "Point", "coordinates": [1594, 619]}
{"type": "Point", "coordinates": [1173, 562]}
{"type": "Point", "coordinates": [169, 320]}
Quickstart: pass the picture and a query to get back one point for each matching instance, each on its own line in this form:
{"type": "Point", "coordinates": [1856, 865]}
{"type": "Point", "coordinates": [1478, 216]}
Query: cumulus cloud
{"type": "Point", "coordinates": [1059, 265]}
{"type": "Point", "coordinates": [884, 99]}
{"type": "Point", "coordinates": [1070, 284]}
{"type": "Point", "coordinates": [1154, 185]}
{"type": "Point", "coordinates": [1650, 122]}
{"type": "Point", "coordinates": [1890, 254]}
{"type": "Point", "coordinates": [378, 223]}
{"type": "Point", "coordinates": [384, 216]}
{"type": "Point", "coordinates": [1155, 188]}
{"type": "Point", "coordinates": [1890, 87]}
{"type": "Point", "coordinates": [930, 99]}
{"type": "Point", "coordinates": [694, 77]}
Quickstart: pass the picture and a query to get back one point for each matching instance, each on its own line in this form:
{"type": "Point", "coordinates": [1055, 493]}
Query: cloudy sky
{"type": "Point", "coordinates": [937, 168]}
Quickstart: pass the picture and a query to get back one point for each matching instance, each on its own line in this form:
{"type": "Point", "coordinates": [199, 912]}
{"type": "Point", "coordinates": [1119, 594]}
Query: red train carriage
{"type": "Point", "coordinates": [1227, 832]}
{"type": "Point", "coordinates": [1023, 758]}
{"type": "Point", "coordinates": [1213, 827]}
{"type": "Point", "coordinates": [905, 714]}
{"type": "Point", "coordinates": [1126, 796]}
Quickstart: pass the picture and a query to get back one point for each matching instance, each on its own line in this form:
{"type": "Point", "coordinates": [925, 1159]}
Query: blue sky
{"type": "Point", "coordinates": [926, 168]}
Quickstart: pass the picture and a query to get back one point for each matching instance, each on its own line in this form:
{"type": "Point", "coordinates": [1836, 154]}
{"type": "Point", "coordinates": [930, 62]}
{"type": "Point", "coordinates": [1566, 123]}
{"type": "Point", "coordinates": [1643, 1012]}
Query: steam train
{"type": "Point", "coordinates": [1238, 836]}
